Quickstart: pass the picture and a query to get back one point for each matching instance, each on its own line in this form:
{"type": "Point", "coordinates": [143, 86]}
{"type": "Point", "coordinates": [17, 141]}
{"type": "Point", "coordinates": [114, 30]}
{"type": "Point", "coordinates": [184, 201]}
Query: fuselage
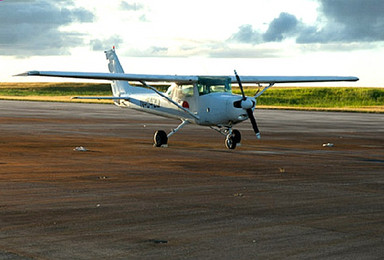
{"type": "Point", "coordinates": [216, 107]}
{"type": "Point", "coordinates": [220, 109]}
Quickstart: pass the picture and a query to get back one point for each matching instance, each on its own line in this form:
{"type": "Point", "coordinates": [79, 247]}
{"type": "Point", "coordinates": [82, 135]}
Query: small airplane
{"type": "Point", "coordinates": [202, 100]}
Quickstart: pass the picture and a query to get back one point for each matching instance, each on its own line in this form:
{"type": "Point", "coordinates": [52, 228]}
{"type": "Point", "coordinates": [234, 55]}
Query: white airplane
{"type": "Point", "coordinates": [201, 100]}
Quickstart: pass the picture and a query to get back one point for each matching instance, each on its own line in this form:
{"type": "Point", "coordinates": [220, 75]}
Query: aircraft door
{"type": "Point", "coordinates": [184, 95]}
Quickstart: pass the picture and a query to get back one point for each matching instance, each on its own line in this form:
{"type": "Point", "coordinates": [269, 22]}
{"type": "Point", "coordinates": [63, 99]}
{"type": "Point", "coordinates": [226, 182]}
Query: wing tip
{"type": "Point", "coordinates": [28, 73]}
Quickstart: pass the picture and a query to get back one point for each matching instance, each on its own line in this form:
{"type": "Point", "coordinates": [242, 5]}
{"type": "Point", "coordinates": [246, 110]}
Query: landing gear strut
{"type": "Point", "coordinates": [232, 140]}
{"type": "Point", "coordinates": [161, 138]}
{"type": "Point", "coordinates": [233, 137]}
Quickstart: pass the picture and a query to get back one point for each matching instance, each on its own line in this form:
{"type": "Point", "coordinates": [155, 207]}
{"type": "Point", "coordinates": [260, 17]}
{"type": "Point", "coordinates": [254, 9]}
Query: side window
{"type": "Point", "coordinates": [180, 92]}
{"type": "Point", "coordinates": [187, 90]}
{"type": "Point", "coordinates": [171, 90]}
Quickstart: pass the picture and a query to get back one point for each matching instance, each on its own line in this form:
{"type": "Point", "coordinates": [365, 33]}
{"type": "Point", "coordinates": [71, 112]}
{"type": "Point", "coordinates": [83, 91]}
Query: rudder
{"type": "Point", "coordinates": [119, 87]}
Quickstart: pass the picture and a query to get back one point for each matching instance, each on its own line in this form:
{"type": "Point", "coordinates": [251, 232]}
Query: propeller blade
{"type": "Point", "coordinates": [249, 110]}
{"type": "Point", "coordinates": [240, 85]}
{"type": "Point", "coordinates": [254, 124]}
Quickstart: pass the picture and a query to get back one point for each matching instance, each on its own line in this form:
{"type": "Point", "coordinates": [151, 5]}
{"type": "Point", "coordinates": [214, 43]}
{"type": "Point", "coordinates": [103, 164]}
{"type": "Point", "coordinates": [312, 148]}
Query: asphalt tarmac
{"type": "Point", "coordinates": [285, 196]}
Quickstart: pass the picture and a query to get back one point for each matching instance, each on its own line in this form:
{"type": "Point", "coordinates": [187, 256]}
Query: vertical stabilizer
{"type": "Point", "coordinates": [119, 87]}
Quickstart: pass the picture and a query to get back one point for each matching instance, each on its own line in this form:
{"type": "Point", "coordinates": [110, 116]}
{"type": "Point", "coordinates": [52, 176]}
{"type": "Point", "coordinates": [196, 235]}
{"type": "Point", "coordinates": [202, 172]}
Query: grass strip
{"type": "Point", "coordinates": [320, 97]}
{"type": "Point", "coordinates": [55, 89]}
{"type": "Point", "coordinates": [303, 98]}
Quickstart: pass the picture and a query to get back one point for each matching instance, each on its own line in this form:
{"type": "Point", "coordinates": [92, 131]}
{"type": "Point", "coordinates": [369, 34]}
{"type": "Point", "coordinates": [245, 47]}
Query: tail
{"type": "Point", "coordinates": [119, 87]}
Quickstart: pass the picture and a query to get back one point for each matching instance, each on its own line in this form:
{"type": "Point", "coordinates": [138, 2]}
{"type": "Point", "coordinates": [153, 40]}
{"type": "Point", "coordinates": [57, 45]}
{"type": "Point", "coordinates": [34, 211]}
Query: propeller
{"type": "Point", "coordinates": [245, 105]}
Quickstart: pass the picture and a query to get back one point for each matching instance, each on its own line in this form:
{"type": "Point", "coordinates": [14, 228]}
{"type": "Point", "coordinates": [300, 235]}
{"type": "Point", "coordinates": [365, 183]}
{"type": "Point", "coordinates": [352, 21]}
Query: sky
{"type": "Point", "coordinates": [200, 37]}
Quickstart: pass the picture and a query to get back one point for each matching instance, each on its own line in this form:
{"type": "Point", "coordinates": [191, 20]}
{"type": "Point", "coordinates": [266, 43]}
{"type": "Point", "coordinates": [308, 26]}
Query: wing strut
{"type": "Point", "coordinates": [258, 94]}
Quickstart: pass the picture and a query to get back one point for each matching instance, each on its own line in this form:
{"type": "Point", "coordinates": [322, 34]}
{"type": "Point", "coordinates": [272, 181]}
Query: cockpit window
{"type": "Point", "coordinates": [207, 85]}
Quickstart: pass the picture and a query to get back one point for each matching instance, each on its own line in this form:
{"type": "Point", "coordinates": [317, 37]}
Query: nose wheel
{"type": "Point", "coordinates": [233, 139]}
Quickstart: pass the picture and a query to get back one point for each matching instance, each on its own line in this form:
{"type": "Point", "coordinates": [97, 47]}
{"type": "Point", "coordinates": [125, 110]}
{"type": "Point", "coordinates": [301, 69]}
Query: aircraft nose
{"type": "Point", "coordinates": [247, 104]}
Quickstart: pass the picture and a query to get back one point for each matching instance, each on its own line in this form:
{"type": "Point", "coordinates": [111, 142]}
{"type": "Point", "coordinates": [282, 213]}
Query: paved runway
{"type": "Point", "coordinates": [285, 196]}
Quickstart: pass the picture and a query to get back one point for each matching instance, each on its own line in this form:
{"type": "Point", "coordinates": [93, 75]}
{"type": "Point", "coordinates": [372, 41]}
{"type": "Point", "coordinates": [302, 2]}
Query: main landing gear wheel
{"type": "Point", "coordinates": [233, 139]}
{"type": "Point", "coordinates": [160, 138]}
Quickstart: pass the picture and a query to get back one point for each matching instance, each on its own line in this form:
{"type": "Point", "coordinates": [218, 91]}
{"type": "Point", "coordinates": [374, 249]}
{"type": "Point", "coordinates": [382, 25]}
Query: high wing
{"type": "Point", "coordinates": [291, 79]}
{"type": "Point", "coordinates": [113, 76]}
{"type": "Point", "coordinates": [184, 78]}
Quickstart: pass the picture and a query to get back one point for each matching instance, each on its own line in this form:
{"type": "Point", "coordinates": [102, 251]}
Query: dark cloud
{"type": "Point", "coordinates": [34, 27]}
{"type": "Point", "coordinates": [281, 27]}
{"type": "Point", "coordinates": [346, 21]}
{"type": "Point", "coordinates": [247, 34]}
{"type": "Point", "coordinates": [101, 45]}
{"type": "Point", "coordinates": [355, 13]}
{"type": "Point", "coordinates": [124, 5]}
{"type": "Point", "coordinates": [362, 20]}
{"type": "Point", "coordinates": [285, 26]}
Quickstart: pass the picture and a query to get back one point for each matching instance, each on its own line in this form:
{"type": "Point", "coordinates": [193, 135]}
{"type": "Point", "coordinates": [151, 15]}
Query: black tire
{"type": "Point", "coordinates": [236, 136]}
{"type": "Point", "coordinates": [230, 142]}
{"type": "Point", "coordinates": [160, 138]}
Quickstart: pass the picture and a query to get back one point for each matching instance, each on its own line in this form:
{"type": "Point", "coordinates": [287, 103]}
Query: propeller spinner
{"type": "Point", "coordinates": [245, 104]}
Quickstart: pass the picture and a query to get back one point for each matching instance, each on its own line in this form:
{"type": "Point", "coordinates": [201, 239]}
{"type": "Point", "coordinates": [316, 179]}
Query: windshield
{"type": "Point", "coordinates": [207, 85]}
